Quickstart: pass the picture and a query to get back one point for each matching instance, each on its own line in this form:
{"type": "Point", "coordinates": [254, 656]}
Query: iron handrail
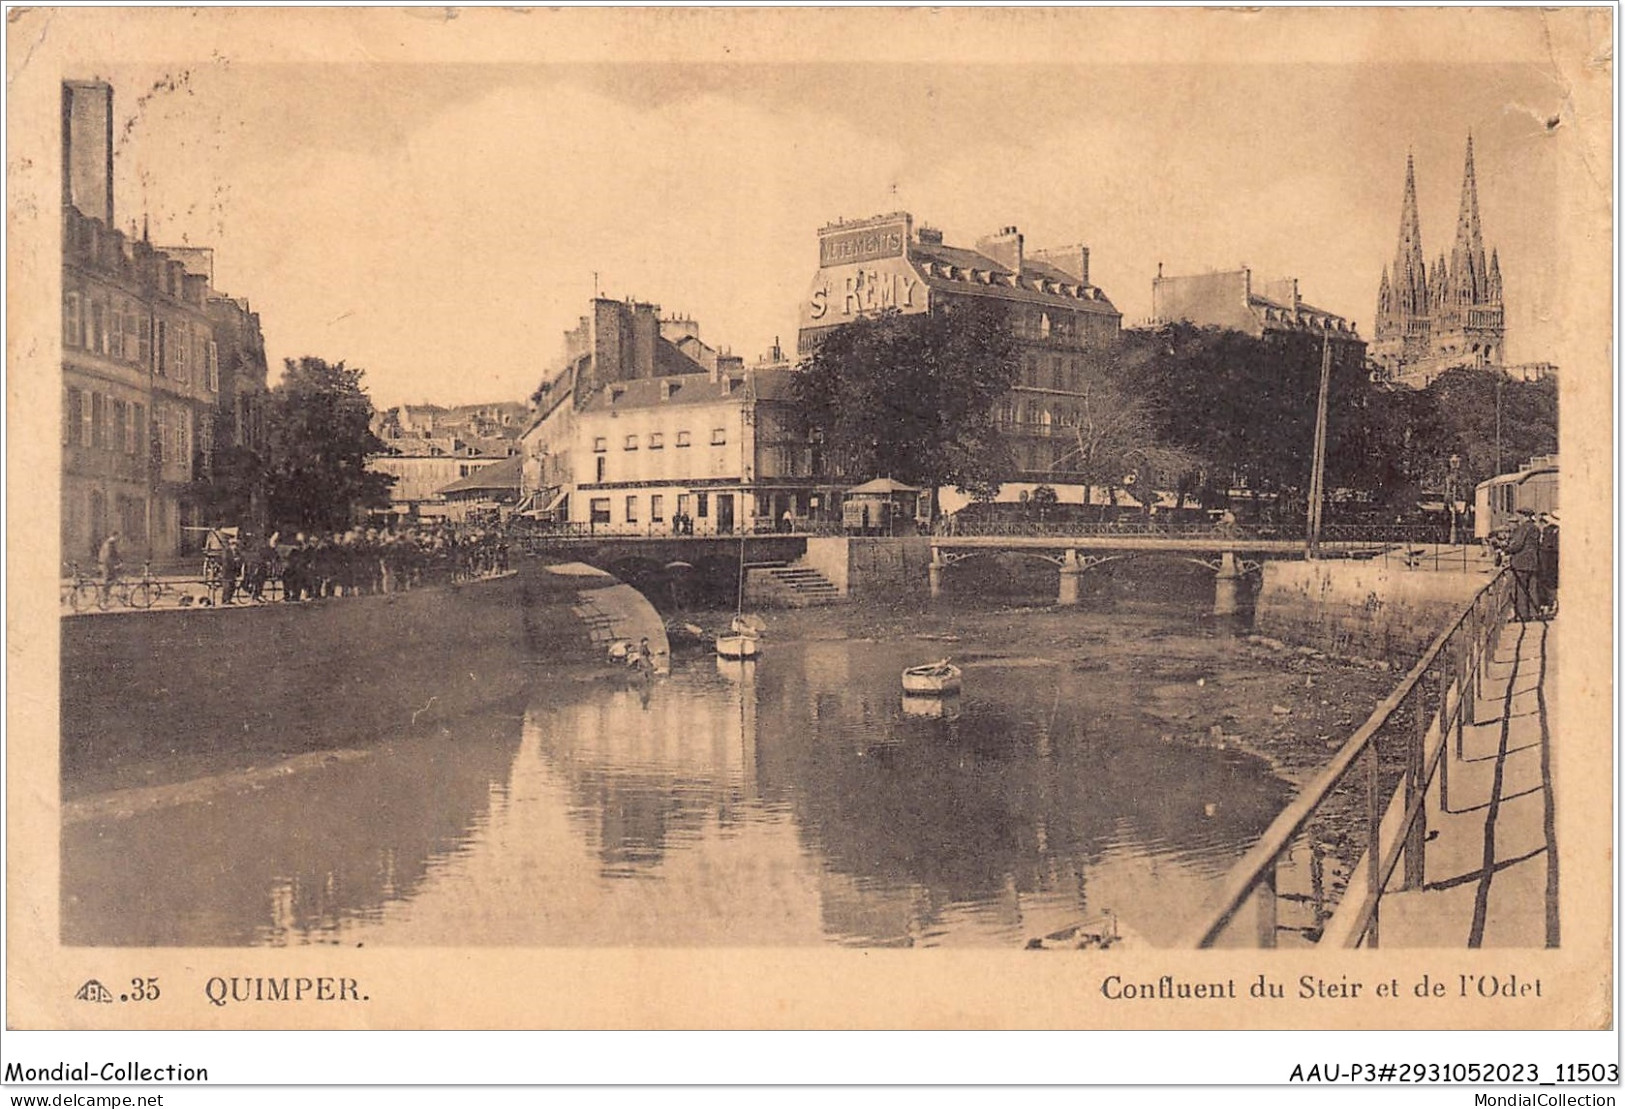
{"type": "Point", "coordinates": [1257, 867]}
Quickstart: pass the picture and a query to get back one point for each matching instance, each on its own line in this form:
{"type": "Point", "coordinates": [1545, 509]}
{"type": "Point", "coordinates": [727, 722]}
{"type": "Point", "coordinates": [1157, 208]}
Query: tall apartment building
{"type": "Point", "coordinates": [145, 401]}
{"type": "Point", "coordinates": [1066, 325]}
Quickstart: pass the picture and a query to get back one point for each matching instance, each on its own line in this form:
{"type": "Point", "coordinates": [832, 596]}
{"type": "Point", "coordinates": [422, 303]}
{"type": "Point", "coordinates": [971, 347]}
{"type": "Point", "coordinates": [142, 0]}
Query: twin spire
{"type": "Point", "coordinates": [1410, 292]}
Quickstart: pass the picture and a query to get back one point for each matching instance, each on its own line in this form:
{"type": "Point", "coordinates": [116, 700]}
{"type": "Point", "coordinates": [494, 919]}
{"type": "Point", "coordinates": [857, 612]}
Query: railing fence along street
{"type": "Point", "coordinates": [1433, 703]}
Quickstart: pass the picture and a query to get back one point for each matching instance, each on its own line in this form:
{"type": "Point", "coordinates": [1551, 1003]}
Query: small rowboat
{"type": "Point", "coordinates": [743, 639]}
{"type": "Point", "coordinates": [933, 679]}
{"type": "Point", "coordinates": [737, 646]}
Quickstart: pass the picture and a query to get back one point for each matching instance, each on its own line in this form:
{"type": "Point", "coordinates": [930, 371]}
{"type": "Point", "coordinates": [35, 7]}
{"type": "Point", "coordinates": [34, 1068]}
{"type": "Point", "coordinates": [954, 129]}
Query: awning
{"type": "Point", "coordinates": [881, 486]}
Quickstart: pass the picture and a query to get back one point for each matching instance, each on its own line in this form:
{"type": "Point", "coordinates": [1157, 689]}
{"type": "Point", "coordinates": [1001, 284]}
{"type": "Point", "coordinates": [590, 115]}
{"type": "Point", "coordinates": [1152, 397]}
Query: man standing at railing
{"type": "Point", "coordinates": [1522, 548]}
{"type": "Point", "coordinates": [1548, 562]}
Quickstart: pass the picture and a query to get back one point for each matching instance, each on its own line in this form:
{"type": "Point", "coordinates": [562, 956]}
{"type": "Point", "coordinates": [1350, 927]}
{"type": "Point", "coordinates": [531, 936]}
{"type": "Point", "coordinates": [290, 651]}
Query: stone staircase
{"type": "Point", "coordinates": [789, 586]}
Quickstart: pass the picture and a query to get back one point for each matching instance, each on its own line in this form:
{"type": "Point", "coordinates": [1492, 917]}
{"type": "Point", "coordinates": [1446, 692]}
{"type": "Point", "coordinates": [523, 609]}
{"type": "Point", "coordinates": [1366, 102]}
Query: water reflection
{"type": "Point", "coordinates": [291, 861]}
{"type": "Point", "coordinates": [796, 799]}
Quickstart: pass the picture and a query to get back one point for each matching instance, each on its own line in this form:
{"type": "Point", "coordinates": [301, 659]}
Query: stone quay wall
{"type": "Point", "coordinates": [1380, 610]}
{"type": "Point", "coordinates": [861, 566]}
{"type": "Point", "coordinates": [279, 679]}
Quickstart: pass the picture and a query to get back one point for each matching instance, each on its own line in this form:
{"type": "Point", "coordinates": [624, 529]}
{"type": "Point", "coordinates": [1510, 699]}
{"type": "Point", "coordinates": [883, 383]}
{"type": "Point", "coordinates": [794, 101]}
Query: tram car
{"type": "Point", "coordinates": [1496, 502]}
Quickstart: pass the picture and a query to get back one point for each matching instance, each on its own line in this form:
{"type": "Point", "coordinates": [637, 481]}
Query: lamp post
{"type": "Point", "coordinates": [1452, 494]}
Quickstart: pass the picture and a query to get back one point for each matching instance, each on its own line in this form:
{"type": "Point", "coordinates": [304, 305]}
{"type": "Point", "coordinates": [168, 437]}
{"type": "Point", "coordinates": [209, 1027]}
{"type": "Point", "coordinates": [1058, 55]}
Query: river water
{"type": "Point", "coordinates": [794, 800]}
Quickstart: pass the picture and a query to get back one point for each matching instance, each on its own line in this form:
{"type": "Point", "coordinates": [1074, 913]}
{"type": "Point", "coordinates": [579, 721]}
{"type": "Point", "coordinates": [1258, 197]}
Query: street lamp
{"type": "Point", "coordinates": [1453, 494]}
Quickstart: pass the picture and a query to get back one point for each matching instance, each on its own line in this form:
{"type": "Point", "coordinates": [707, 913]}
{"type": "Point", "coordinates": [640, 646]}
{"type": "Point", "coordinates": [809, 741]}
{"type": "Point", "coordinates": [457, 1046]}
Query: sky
{"type": "Point", "coordinates": [441, 225]}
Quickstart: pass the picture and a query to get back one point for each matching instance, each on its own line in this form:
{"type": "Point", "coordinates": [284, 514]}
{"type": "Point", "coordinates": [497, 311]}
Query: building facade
{"type": "Point", "coordinates": [143, 387]}
{"type": "Point", "coordinates": [1066, 326]}
{"type": "Point", "coordinates": [646, 422]}
{"type": "Point", "coordinates": [424, 465]}
{"type": "Point", "coordinates": [1230, 300]}
{"type": "Point", "coordinates": [717, 450]}
{"type": "Point", "coordinates": [1451, 315]}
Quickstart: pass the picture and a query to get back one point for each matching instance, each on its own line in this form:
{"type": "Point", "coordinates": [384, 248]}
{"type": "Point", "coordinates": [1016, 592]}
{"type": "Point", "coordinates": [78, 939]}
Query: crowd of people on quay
{"type": "Point", "coordinates": [1530, 548]}
{"type": "Point", "coordinates": [351, 563]}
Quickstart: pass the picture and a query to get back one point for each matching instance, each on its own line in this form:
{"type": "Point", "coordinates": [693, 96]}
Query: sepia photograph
{"type": "Point", "coordinates": [761, 518]}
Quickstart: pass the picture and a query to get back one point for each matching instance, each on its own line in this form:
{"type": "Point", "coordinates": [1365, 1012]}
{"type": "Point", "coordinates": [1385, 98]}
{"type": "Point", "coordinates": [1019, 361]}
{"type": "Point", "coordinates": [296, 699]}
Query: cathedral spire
{"type": "Point", "coordinates": [1468, 275]}
{"type": "Point", "coordinates": [1410, 271]}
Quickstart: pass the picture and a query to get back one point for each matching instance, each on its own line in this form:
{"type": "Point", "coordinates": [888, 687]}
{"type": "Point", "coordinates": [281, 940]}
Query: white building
{"type": "Point", "coordinates": [646, 423]}
{"type": "Point", "coordinates": [713, 448]}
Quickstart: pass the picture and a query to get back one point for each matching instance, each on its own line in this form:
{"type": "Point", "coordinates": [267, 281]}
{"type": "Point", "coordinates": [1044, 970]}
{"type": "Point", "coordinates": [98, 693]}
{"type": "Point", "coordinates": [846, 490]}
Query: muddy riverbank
{"type": "Point", "coordinates": [1213, 683]}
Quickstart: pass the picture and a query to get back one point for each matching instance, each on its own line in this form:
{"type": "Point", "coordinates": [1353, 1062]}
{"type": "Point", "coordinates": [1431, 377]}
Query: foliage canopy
{"type": "Point", "coordinates": [318, 439]}
{"type": "Point", "coordinates": [912, 397]}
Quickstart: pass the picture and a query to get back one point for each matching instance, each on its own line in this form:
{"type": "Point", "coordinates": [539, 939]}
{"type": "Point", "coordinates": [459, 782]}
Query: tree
{"type": "Point", "coordinates": [912, 397]}
{"type": "Point", "coordinates": [1117, 443]}
{"type": "Point", "coordinates": [1247, 405]}
{"type": "Point", "coordinates": [318, 439]}
{"type": "Point", "coordinates": [1468, 402]}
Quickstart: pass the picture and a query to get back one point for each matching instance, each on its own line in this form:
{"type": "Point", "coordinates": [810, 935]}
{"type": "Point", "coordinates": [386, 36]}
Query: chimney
{"type": "Point", "coordinates": [87, 148]}
{"type": "Point", "coordinates": [1070, 260]}
{"type": "Point", "coordinates": [1004, 248]}
{"type": "Point", "coordinates": [645, 334]}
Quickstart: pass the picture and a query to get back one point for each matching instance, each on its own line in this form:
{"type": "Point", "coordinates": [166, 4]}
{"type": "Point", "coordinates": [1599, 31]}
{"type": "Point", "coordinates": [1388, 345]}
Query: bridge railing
{"type": "Point", "coordinates": [1333, 537]}
{"type": "Point", "coordinates": [1413, 727]}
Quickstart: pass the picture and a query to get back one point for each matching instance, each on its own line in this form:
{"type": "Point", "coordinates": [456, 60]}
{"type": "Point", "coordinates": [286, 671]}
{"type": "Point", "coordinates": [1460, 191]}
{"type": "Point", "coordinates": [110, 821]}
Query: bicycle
{"type": "Point", "coordinates": [142, 592]}
{"type": "Point", "coordinates": [81, 591]}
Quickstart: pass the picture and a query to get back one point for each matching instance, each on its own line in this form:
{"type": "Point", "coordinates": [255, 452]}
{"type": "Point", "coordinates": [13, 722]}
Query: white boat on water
{"type": "Point", "coordinates": [932, 706]}
{"type": "Point", "coordinates": [737, 646]}
{"type": "Point", "coordinates": [744, 638]}
{"type": "Point", "coordinates": [932, 679]}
